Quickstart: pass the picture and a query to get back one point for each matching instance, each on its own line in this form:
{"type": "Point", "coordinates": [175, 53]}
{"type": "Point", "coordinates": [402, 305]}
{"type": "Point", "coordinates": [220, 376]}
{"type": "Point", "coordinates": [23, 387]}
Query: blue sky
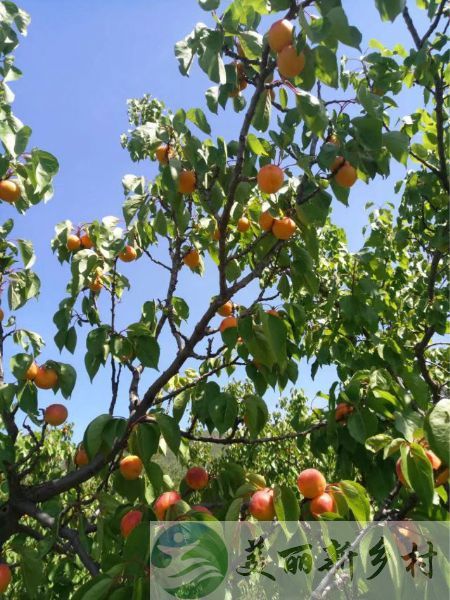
{"type": "Point", "coordinates": [81, 62]}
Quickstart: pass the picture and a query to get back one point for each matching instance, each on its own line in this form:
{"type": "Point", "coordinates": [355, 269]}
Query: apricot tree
{"type": "Point", "coordinates": [254, 209]}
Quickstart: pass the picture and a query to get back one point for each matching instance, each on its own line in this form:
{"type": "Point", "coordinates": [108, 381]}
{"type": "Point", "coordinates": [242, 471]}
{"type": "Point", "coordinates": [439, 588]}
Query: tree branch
{"type": "Point", "coordinates": [50, 523]}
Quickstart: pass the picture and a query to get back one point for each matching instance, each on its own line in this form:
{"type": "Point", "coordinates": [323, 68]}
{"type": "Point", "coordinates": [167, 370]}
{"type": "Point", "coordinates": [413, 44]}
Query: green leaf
{"type": "Point", "coordinates": [357, 500]}
{"type": "Point", "coordinates": [147, 350]}
{"type": "Point", "coordinates": [170, 431]}
{"type": "Point", "coordinates": [251, 43]}
{"type": "Point", "coordinates": [398, 145]}
{"type": "Point", "coordinates": [419, 473]}
{"type": "Point", "coordinates": [261, 118]}
{"type": "Point", "coordinates": [390, 9]}
{"type": "Point", "coordinates": [21, 142]}
{"type": "Point", "coordinates": [326, 65]}
{"type": "Point", "coordinates": [340, 28]}
{"type": "Point", "coordinates": [27, 253]}
{"type": "Point", "coordinates": [377, 442]}
{"type": "Point", "coordinates": [276, 336]}
{"type": "Point", "coordinates": [197, 116]}
{"type": "Point", "coordinates": [67, 377]}
{"type": "Point", "coordinates": [31, 570]}
{"type": "Point", "coordinates": [362, 424]}
{"type": "Point", "coordinates": [256, 145]}
{"type": "Point", "coordinates": [7, 393]}
{"type": "Point", "coordinates": [256, 414]}
{"type": "Point", "coordinates": [95, 589]}
{"type": "Point", "coordinates": [209, 4]}
{"type": "Point", "coordinates": [144, 440]}
{"type": "Point", "coordinates": [19, 363]}
{"type": "Point", "coordinates": [313, 111]}
{"type": "Point", "coordinates": [223, 410]}
{"type": "Point", "coordinates": [286, 504]}
{"type": "Point", "coordinates": [92, 439]}
{"type": "Point", "coordinates": [368, 132]}
{"type": "Point", "coordinates": [437, 429]}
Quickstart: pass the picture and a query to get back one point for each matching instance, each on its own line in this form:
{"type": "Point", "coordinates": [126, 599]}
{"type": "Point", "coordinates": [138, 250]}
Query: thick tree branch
{"type": "Point", "coordinates": [49, 522]}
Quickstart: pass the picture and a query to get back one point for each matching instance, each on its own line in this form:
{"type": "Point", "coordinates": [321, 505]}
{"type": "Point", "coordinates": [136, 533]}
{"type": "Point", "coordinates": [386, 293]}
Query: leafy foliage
{"type": "Point", "coordinates": [377, 315]}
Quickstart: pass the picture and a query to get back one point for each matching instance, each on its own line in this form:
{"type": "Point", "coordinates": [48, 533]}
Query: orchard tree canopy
{"type": "Point", "coordinates": [253, 209]}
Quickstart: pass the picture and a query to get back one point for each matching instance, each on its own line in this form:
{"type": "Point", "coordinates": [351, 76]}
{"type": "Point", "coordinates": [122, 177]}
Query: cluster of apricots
{"type": "Point", "coordinates": [436, 463]}
{"type": "Point", "coordinates": [282, 229]}
{"type": "Point", "coordinates": [76, 241]}
{"type": "Point", "coordinates": [290, 63]}
{"type": "Point", "coordinates": [344, 174]}
{"type": "Point", "coordinates": [313, 485]}
{"type": "Point", "coordinates": [187, 179]}
{"type": "Point", "coordinates": [131, 466]}
{"type": "Point", "coordinates": [227, 309]}
{"type": "Point", "coordinates": [9, 191]}
{"type": "Point", "coordinates": [45, 378]}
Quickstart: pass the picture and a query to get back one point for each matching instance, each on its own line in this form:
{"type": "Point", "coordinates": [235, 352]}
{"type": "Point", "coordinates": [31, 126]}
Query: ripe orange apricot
{"type": "Point", "coordinates": [442, 477]}
{"type": "Point", "coordinates": [197, 478]}
{"type": "Point", "coordinates": [342, 410]}
{"type": "Point", "coordinates": [46, 378]}
{"type": "Point", "coordinates": [398, 470]}
{"type": "Point", "coordinates": [261, 505]}
{"type": "Point", "coordinates": [434, 460]}
{"type": "Point", "coordinates": [280, 35]}
{"type": "Point", "coordinates": [96, 285]}
{"type": "Point", "coordinates": [129, 521]}
{"type": "Point", "coordinates": [321, 504]}
{"type": "Point", "coordinates": [86, 241]}
{"type": "Point", "coordinates": [162, 154]}
{"type": "Point", "coordinates": [227, 323]}
{"type": "Point", "coordinates": [55, 414]}
{"type": "Point", "coordinates": [131, 467]}
{"type": "Point", "coordinates": [226, 309]}
{"type": "Point", "coordinates": [311, 483]}
{"type": "Point", "coordinates": [266, 221]}
{"type": "Point", "coordinates": [73, 243]}
{"type": "Point", "coordinates": [128, 254]}
{"type": "Point", "coordinates": [2, 314]}
{"type": "Point", "coordinates": [186, 182]}
{"type": "Point", "coordinates": [270, 179]}
{"type": "Point", "coordinates": [290, 64]}
{"type": "Point", "coordinates": [273, 312]}
{"type": "Point", "coordinates": [9, 191]}
{"type": "Point", "coordinates": [283, 228]}
{"type": "Point", "coordinates": [345, 175]}
{"type": "Point", "coordinates": [243, 225]}
{"type": "Point", "coordinates": [192, 259]}
{"type": "Point", "coordinates": [5, 577]}
{"type": "Point", "coordinates": [32, 371]}
{"type": "Point", "coordinates": [81, 458]}
{"type": "Point", "coordinates": [165, 501]}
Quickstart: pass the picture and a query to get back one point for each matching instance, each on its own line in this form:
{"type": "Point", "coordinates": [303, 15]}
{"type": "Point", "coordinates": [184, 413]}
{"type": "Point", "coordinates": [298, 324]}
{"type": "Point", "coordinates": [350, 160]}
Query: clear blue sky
{"type": "Point", "coordinates": [81, 62]}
